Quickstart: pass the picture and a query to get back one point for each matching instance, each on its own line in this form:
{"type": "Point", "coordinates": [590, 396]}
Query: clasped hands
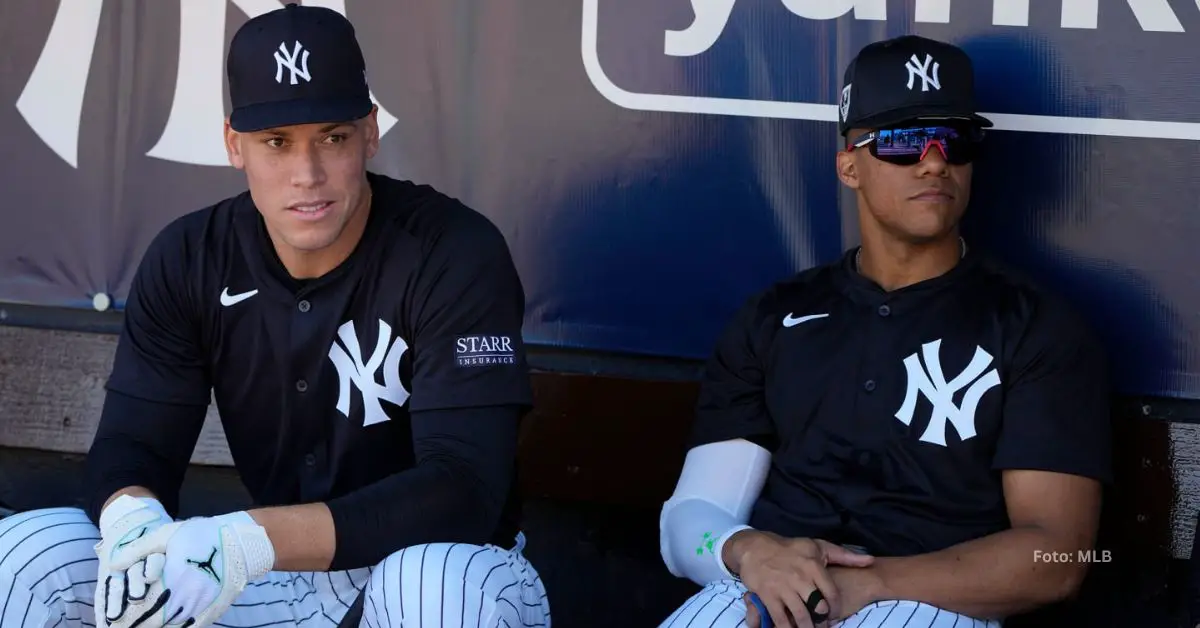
{"type": "Point", "coordinates": [784, 574]}
{"type": "Point", "coordinates": [155, 572]}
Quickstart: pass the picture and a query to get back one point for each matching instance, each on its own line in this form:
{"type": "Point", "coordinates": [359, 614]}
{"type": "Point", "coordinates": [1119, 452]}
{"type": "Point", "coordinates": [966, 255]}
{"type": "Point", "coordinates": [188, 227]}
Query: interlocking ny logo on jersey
{"type": "Point", "coordinates": [285, 59]}
{"type": "Point", "coordinates": [917, 69]}
{"type": "Point", "coordinates": [929, 380]}
{"type": "Point", "coordinates": [351, 368]}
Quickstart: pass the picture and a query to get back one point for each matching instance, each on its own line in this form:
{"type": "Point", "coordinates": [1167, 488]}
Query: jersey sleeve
{"type": "Point", "coordinates": [159, 356]}
{"type": "Point", "coordinates": [131, 448]}
{"type": "Point", "coordinates": [732, 399]}
{"type": "Point", "coordinates": [468, 309]}
{"type": "Point", "coordinates": [1056, 409]}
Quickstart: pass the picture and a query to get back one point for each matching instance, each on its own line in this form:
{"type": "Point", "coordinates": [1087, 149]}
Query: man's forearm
{"type": "Point", "coordinates": [419, 505]}
{"type": "Point", "coordinates": [140, 444]}
{"type": "Point", "coordinates": [992, 577]}
{"type": "Point", "coordinates": [303, 536]}
{"type": "Point", "coordinates": [455, 493]}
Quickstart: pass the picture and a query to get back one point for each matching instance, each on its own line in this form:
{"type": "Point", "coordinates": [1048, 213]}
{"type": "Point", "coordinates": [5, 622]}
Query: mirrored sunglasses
{"type": "Point", "coordinates": [908, 145]}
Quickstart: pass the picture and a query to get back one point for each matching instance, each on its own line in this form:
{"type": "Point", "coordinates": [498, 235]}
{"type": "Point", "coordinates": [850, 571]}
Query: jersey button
{"type": "Point", "coordinates": [864, 458]}
{"type": "Point", "coordinates": [869, 385]}
{"type": "Point", "coordinates": [885, 310]}
{"type": "Point", "coordinates": [301, 385]}
{"type": "Point", "coordinates": [304, 305]}
{"type": "Point", "coordinates": [310, 459]}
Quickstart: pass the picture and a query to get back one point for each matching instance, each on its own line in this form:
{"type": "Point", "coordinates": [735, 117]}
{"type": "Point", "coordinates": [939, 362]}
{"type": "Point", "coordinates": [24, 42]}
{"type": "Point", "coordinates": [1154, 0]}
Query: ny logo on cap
{"type": "Point", "coordinates": [283, 59]}
{"type": "Point", "coordinates": [845, 101]}
{"type": "Point", "coordinates": [916, 69]}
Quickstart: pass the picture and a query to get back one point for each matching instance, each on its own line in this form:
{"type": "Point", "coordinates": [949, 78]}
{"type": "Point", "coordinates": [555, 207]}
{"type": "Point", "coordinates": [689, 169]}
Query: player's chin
{"type": "Point", "coordinates": [312, 237]}
{"type": "Point", "coordinates": [929, 223]}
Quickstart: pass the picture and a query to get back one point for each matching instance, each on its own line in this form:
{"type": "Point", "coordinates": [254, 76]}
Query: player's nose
{"type": "Point", "coordinates": [307, 170]}
{"type": "Point", "coordinates": [934, 160]}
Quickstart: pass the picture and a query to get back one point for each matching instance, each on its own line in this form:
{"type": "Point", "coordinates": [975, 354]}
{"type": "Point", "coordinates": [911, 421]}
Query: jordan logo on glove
{"type": "Point", "coordinates": [207, 565]}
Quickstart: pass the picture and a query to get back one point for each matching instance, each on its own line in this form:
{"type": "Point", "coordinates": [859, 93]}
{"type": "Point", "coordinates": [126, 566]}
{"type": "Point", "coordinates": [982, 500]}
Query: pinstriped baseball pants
{"type": "Point", "coordinates": [720, 605]}
{"type": "Point", "coordinates": [48, 574]}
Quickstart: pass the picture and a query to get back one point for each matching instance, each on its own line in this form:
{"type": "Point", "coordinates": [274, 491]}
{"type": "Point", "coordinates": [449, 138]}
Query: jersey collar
{"type": "Point", "coordinates": [866, 292]}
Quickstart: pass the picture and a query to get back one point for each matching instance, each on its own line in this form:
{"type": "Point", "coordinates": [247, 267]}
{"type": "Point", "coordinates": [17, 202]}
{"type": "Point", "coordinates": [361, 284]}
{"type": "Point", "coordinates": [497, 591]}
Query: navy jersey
{"type": "Point", "coordinates": [314, 380]}
{"type": "Point", "coordinates": [890, 415]}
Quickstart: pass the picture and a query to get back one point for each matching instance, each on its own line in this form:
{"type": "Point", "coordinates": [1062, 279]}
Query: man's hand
{"type": "Point", "coordinates": [784, 573]}
{"type": "Point", "coordinates": [856, 585]}
{"type": "Point", "coordinates": [124, 595]}
{"type": "Point", "coordinates": [858, 588]}
{"type": "Point", "coordinates": [209, 561]}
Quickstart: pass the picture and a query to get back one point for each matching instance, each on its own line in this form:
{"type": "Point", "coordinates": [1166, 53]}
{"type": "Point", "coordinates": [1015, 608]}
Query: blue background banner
{"type": "Point", "coordinates": [647, 182]}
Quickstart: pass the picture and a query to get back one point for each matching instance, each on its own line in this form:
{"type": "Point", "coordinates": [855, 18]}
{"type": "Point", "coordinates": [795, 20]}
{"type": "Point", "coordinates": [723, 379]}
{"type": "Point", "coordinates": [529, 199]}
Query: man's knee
{"type": "Point", "coordinates": [719, 605]}
{"type": "Point", "coordinates": [452, 584]}
{"type": "Point", "coordinates": [40, 540]}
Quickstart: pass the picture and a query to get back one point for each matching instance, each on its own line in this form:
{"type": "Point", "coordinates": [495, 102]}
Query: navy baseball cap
{"type": "Point", "coordinates": [905, 79]}
{"type": "Point", "coordinates": [296, 65]}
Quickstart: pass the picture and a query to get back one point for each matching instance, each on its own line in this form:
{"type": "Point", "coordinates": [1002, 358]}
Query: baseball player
{"type": "Point", "coordinates": [910, 436]}
{"type": "Point", "coordinates": [362, 338]}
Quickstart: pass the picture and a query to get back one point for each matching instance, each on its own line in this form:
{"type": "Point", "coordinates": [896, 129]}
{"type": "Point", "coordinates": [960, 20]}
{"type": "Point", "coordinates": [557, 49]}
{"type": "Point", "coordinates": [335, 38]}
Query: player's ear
{"type": "Point", "coordinates": [847, 169]}
{"type": "Point", "coordinates": [233, 146]}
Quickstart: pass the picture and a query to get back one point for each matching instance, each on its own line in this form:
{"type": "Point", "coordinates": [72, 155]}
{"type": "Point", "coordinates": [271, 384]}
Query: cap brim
{"type": "Point", "coordinates": [270, 115]}
{"type": "Point", "coordinates": [924, 112]}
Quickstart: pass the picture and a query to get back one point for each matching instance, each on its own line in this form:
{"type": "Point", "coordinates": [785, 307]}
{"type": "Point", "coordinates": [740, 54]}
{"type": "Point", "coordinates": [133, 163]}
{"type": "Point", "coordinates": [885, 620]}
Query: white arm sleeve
{"type": "Point", "coordinates": [717, 488]}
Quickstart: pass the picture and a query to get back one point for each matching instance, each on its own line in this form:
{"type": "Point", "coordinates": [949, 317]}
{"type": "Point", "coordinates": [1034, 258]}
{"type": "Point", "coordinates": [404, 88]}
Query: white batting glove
{"type": "Point", "coordinates": [209, 561]}
{"type": "Point", "coordinates": [124, 596]}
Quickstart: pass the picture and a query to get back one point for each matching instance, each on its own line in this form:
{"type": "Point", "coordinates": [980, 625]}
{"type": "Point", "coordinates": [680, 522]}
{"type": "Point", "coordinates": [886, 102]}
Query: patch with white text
{"type": "Point", "coordinates": [484, 350]}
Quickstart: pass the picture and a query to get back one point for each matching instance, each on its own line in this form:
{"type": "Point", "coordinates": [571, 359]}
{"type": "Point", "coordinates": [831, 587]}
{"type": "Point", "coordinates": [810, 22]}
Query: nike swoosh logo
{"type": "Point", "coordinates": [228, 299]}
{"type": "Point", "coordinates": [791, 321]}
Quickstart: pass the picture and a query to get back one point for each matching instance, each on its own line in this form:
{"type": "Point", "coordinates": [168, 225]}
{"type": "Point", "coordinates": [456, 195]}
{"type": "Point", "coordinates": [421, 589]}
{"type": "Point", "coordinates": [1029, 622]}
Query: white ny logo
{"type": "Point", "coordinates": [941, 393]}
{"type": "Point", "coordinates": [350, 368]}
{"type": "Point", "coordinates": [284, 59]}
{"type": "Point", "coordinates": [916, 69]}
